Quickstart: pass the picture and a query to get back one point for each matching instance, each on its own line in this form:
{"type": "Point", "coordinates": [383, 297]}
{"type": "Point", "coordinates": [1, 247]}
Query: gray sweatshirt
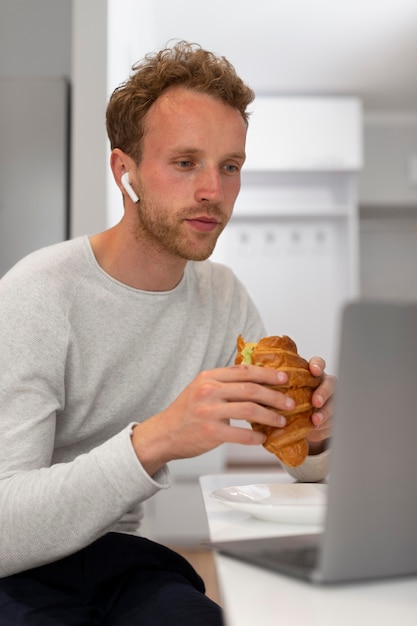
{"type": "Point", "coordinates": [83, 358]}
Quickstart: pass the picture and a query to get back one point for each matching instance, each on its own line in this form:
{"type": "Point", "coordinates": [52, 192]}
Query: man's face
{"type": "Point", "coordinates": [189, 175]}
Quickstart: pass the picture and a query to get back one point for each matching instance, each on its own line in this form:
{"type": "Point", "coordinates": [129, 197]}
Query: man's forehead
{"type": "Point", "coordinates": [183, 116]}
{"type": "Point", "coordinates": [178, 100]}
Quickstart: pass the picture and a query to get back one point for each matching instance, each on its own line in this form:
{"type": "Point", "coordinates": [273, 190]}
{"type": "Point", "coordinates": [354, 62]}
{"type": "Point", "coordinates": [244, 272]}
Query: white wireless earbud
{"type": "Point", "coordinates": [127, 185]}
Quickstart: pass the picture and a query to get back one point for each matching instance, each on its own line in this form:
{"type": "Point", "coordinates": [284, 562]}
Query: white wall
{"type": "Point", "coordinates": [128, 41]}
{"type": "Point", "coordinates": [108, 36]}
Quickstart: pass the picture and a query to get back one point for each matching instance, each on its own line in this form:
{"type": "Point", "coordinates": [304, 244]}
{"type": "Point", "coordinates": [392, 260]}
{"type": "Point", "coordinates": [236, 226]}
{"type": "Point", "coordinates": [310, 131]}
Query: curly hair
{"type": "Point", "coordinates": [185, 64]}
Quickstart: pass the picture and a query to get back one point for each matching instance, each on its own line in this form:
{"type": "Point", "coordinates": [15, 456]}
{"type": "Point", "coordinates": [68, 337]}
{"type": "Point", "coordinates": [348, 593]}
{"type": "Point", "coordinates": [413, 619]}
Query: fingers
{"type": "Point", "coordinates": [324, 391]}
{"type": "Point", "coordinates": [323, 417]}
{"type": "Point", "coordinates": [245, 393]}
{"type": "Point", "coordinates": [256, 413]}
{"type": "Point", "coordinates": [252, 373]}
{"type": "Point", "coordinates": [249, 399]}
{"type": "Point", "coordinates": [245, 436]}
{"type": "Point", "coordinates": [317, 365]}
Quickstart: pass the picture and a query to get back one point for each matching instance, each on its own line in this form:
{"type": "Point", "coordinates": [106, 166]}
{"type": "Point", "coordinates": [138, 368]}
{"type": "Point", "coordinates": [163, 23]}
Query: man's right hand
{"type": "Point", "coordinates": [198, 420]}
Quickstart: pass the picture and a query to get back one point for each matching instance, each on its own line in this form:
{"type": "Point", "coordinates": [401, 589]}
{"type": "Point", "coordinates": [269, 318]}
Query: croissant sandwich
{"type": "Point", "coordinates": [289, 443]}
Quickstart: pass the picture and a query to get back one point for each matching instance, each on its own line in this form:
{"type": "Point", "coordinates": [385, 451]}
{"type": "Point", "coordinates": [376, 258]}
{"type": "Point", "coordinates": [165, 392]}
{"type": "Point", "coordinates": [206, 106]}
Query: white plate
{"type": "Point", "coordinates": [293, 503]}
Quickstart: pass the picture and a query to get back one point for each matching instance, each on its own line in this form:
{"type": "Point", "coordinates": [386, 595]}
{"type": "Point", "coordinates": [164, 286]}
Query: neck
{"type": "Point", "coordinates": [133, 262]}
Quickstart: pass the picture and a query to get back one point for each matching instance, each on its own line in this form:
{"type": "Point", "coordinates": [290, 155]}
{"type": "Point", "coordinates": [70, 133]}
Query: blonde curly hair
{"type": "Point", "coordinates": [184, 64]}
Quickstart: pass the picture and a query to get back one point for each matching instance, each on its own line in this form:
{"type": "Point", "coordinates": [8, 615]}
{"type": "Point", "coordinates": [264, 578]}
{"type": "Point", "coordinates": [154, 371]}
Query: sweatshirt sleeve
{"type": "Point", "coordinates": [314, 469]}
{"type": "Point", "coordinates": [51, 509]}
{"type": "Point", "coordinates": [50, 512]}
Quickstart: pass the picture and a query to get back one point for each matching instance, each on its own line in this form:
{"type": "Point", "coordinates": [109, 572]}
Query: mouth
{"type": "Point", "coordinates": [203, 223]}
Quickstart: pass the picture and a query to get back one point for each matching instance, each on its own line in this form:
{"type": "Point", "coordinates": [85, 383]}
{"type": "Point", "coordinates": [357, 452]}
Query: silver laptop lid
{"type": "Point", "coordinates": [371, 523]}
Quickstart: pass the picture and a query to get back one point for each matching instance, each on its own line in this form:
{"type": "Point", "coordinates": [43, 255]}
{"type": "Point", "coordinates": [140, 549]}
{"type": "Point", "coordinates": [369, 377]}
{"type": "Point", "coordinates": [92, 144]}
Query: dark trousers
{"type": "Point", "coordinates": [118, 580]}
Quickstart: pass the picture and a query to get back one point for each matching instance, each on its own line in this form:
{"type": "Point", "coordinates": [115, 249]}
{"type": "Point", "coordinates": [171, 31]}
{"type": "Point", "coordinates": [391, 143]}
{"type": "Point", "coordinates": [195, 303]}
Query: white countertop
{"type": "Point", "coordinates": [256, 597]}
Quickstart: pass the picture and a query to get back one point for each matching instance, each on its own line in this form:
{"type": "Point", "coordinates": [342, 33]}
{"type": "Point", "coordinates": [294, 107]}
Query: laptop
{"type": "Point", "coordinates": [370, 526]}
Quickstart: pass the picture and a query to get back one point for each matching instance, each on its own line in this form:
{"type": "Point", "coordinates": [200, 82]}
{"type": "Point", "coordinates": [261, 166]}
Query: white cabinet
{"type": "Point", "coordinates": [305, 134]}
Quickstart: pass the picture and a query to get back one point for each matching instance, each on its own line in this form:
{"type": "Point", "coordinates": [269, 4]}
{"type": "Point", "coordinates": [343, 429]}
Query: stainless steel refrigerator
{"type": "Point", "coordinates": [34, 165]}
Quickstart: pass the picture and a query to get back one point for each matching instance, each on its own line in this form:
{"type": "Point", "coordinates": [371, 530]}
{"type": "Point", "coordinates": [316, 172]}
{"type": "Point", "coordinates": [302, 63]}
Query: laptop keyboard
{"type": "Point", "coordinates": [305, 557]}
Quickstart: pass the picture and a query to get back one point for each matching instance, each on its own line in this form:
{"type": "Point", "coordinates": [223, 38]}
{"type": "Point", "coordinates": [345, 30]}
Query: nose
{"type": "Point", "coordinates": [209, 185]}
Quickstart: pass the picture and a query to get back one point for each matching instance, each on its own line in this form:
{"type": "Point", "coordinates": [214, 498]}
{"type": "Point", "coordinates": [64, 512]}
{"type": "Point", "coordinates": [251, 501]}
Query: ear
{"type": "Point", "coordinates": [120, 163]}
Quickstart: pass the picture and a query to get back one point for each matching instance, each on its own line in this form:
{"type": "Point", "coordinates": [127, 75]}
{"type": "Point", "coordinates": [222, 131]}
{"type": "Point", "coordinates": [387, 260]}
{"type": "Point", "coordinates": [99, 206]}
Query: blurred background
{"type": "Point", "coordinates": [329, 197]}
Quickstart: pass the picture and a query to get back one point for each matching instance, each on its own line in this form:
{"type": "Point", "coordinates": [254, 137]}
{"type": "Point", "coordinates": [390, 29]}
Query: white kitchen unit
{"type": "Point", "coordinates": [293, 237]}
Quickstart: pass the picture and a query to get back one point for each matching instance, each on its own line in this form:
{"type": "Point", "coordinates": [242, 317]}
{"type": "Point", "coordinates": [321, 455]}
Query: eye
{"type": "Point", "coordinates": [184, 164]}
{"type": "Point", "coordinates": [230, 168]}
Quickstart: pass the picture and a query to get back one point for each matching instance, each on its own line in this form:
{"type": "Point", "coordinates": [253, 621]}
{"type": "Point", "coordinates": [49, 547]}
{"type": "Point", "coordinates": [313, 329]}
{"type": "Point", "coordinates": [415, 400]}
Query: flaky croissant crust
{"type": "Point", "coordinates": [290, 443]}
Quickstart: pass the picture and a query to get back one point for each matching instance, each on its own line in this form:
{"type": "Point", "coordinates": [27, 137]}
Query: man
{"type": "Point", "coordinates": [117, 356]}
